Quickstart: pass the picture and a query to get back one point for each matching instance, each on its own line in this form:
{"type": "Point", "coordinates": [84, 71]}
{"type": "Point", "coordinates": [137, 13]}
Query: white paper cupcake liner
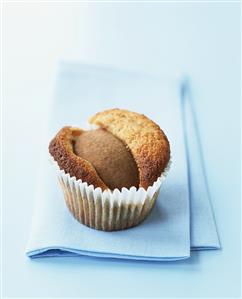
{"type": "Point", "coordinates": [107, 210]}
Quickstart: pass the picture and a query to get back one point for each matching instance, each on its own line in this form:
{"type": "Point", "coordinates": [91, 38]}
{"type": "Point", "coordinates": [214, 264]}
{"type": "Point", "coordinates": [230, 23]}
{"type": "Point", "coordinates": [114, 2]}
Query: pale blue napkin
{"type": "Point", "coordinates": [175, 225]}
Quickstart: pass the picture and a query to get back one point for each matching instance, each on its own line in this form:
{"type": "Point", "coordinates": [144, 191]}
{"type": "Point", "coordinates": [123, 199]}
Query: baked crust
{"type": "Point", "coordinates": [144, 138]}
{"type": "Point", "coordinates": [61, 149]}
{"type": "Point", "coordinates": [147, 143]}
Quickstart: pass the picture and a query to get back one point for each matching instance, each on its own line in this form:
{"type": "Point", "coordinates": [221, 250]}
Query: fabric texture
{"type": "Point", "coordinates": [182, 218]}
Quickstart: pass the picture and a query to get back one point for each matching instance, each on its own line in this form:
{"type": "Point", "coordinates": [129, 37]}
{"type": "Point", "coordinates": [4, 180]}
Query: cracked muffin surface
{"type": "Point", "coordinates": [146, 141]}
{"type": "Point", "coordinates": [110, 157]}
{"type": "Point", "coordinates": [127, 150]}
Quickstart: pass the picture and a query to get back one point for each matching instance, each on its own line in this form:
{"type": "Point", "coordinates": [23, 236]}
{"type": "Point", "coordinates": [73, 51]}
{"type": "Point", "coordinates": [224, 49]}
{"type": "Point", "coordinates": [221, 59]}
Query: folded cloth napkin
{"type": "Point", "coordinates": [202, 224]}
{"type": "Point", "coordinates": [174, 225]}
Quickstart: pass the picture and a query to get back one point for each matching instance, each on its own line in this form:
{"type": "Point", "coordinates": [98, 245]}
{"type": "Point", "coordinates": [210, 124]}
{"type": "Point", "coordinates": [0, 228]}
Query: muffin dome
{"type": "Point", "coordinates": [128, 149]}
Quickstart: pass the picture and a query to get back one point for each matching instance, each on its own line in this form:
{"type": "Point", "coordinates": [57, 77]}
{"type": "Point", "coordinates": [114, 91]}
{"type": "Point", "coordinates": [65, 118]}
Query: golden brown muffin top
{"type": "Point", "coordinates": [61, 149]}
{"type": "Point", "coordinates": [137, 139]}
{"type": "Point", "coordinates": [146, 141]}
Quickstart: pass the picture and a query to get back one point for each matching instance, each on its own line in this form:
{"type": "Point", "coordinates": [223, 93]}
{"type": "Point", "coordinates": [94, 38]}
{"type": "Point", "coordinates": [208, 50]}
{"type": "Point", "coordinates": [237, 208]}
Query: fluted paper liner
{"type": "Point", "coordinates": [107, 210]}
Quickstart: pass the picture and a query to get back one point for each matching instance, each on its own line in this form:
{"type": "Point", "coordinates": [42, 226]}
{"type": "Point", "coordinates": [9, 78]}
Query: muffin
{"type": "Point", "coordinates": [111, 175]}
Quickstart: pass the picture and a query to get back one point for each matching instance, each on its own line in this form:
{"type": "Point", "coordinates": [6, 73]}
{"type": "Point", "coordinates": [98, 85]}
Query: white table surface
{"type": "Point", "coordinates": [202, 40]}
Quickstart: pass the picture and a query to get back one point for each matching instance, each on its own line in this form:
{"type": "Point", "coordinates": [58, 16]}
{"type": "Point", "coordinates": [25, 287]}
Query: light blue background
{"type": "Point", "coordinates": [202, 40]}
